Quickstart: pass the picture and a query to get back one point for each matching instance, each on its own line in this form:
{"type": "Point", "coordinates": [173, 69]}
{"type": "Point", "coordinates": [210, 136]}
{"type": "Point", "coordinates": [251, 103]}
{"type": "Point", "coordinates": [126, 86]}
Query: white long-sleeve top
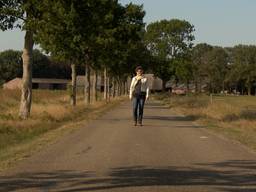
{"type": "Point", "coordinates": [144, 86]}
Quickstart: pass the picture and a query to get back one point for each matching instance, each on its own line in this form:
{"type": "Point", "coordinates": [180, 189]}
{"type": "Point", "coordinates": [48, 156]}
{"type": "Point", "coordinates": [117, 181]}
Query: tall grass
{"type": "Point", "coordinates": [50, 110]}
{"type": "Point", "coordinates": [233, 116]}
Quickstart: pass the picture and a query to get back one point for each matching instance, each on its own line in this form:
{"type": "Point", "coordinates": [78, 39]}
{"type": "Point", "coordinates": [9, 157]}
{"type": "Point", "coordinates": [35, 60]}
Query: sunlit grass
{"type": "Point", "coordinates": [233, 116]}
{"type": "Point", "coordinates": [50, 110]}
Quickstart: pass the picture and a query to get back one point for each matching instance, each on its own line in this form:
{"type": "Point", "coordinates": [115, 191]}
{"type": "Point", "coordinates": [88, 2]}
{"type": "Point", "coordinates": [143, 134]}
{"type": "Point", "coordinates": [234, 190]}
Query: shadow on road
{"type": "Point", "coordinates": [230, 176]}
{"type": "Point", "coordinates": [172, 118]}
{"type": "Point", "coordinates": [146, 125]}
{"type": "Point", "coordinates": [151, 105]}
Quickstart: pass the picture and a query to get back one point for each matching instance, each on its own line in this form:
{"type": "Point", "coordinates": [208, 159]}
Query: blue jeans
{"type": "Point", "coordinates": [138, 107]}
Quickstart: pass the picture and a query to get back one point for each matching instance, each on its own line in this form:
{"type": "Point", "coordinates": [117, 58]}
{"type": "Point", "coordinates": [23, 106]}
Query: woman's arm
{"type": "Point", "coordinates": [147, 89]}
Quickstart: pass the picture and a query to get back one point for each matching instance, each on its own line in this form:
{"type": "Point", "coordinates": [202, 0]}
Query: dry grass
{"type": "Point", "coordinates": [233, 116]}
{"type": "Point", "coordinates": [50, 110]}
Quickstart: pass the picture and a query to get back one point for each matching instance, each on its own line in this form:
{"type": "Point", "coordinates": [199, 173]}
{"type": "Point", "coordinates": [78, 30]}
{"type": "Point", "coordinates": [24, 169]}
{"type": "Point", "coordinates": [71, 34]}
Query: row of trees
{"type": "Point", "coordinates": [212, 68]}
{"type": "Point", "coordinates": [96, 35]}
{"type": "Point", "coordinates": [105, 37]}
{"type": "Point", "coordinates": [10, 65]}
{"type": "Point", "coordinates": [224, 69]}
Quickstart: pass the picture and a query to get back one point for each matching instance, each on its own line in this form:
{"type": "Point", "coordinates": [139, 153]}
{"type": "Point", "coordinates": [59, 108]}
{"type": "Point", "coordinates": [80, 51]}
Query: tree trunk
{"type": "Point", "coordinates": [163, 85]}
{"type": "Point", "coordinates": [123, 87]}
{"type": "Point", "coordinates": [95, 83]}
{"type": "Point", "coordinates": [223, 87]}
{"type": "Point", "coordinates": [126, 87]}
{"type": "Point", "coordinates": [118, 88]}
{"type": "Point", "coordinates": [26, 89]}
{"type": "Point", "coordinates": [196, 86]}
{"type": "Point", "coordinates": [211, 89]}
{"type": "Point", "coordinates": [108, 89]}
{"type": "Point", "coordinates": [105, 84]}
{"type": "Point", "coordinates": [249, 89]}
{"type": "Point", "coordinates": [187, 84]}
{"type": "Point", "coordinates": [200, 85]}
{"type": "Point", "coordinates": [87, 88]}
{"type": "Point", "coordinates": [249, 86]}
{"type": "Point", "coordinates": [73, 85]}
{"type": "Point", "coordinates": [114, 88]}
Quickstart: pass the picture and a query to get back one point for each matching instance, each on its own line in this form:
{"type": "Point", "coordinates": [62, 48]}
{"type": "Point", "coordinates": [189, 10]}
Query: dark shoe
{"type": "Point", "coordinates": [140, 123]}
{"type": "Point", "coordinates": [135, 123]}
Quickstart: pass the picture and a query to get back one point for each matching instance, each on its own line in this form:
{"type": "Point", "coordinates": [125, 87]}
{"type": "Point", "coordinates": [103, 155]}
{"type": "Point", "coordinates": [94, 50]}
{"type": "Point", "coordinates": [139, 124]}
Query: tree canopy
{"type": "Point", "coordinates": [169, 41]}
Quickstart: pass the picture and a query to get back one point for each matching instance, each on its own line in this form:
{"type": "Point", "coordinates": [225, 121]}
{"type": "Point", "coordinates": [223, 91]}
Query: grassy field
{"type": "Point", "coordinates": [232, 116]}
{"type": "Point", "coordinates": [50, 110]}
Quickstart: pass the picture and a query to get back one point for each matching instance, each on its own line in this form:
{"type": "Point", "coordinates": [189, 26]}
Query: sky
{"type": "Point", "coordinates": [217, 22]}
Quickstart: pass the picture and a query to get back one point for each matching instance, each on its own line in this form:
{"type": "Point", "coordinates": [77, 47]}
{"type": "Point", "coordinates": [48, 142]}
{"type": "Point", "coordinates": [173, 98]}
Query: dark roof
{"type": "Point", "coordinates": [56, 81]}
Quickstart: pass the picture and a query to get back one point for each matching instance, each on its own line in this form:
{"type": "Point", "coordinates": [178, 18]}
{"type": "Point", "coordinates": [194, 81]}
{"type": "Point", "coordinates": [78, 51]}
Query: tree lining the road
{"type": "Point", "coordinates": [76, 32]}
{"type": "Point", "coordinates": [25, 15]}
{"type": "Point", "coordinates": [111, 42]}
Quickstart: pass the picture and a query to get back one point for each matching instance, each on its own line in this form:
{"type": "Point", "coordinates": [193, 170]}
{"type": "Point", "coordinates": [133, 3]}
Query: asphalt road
{"type": "Point", "coordinates": [169, 153]}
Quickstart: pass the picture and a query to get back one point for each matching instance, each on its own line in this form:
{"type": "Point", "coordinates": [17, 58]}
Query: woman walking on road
{"type": "Point", "coordinates": [139, 92]}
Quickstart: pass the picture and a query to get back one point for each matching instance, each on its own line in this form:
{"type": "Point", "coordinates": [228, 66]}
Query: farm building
{"type": "Point", "coordinates": [39, 83]}
{"type": "Point", "coordinates": [81, 80]}
{"type": "Point", "coordinates": [155, 83]}
{"type": "Point", "coordinates": [13, 84]}
{"type": "Point", "coordinates": [182, 89]}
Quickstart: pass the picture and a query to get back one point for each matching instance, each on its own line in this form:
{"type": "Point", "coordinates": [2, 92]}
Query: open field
{"type": "Point", "coordinates": [231, 116]}
{"type": "Point", "coordinates": [50, 110]}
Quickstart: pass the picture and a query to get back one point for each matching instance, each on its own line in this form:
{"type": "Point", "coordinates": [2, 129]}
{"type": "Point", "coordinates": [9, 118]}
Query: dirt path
{"type": "Point", "coordinates": [169, 153]}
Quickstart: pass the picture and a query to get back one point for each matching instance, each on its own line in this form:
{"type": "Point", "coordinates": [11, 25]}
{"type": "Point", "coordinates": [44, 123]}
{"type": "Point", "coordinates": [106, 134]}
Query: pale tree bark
{"type": "Point", "coordinates": [105, 84]}
{"type": "Point", "coordinates": [119, 88]}
{"type": "Point", "coordinates": [87, 88]}
{"type": "Point", "coordinates": [126, 87]}
{"type": "Point", "coordinates": [95, 83]}
{"type": "Point", "coordinates": [123, 87]}
{"type": "Point", "coordinates": [249, 89]}
{"type": "Point", "coordinates": [223, 87]}
{"type": "Point", "coordinates": [125, 93]}
{"type": "Point", "coordinates": [113, 88]}
{"type": "Point", "coordinates": [249, 86]}
{"type": "Point", "coordinates": [73, 85]}
{"type": "Point", "coordinates": [26, 89]}
{"type": "Point", "coordinates": [108, 89]}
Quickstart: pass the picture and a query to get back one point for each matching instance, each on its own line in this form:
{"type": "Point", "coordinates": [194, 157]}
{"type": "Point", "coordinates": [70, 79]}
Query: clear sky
{"type": "Point", "coordinates": [217, 22]}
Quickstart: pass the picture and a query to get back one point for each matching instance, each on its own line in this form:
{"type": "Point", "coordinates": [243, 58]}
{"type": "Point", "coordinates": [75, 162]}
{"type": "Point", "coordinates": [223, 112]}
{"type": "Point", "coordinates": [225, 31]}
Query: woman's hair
{"type": "Point", "coordinates": [138, 68]}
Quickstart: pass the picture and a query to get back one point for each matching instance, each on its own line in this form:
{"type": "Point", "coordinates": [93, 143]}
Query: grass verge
{"type": "Point", "coordinates": [51, 118]}
{"type": "Point", "coordinates": [231, 116]}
